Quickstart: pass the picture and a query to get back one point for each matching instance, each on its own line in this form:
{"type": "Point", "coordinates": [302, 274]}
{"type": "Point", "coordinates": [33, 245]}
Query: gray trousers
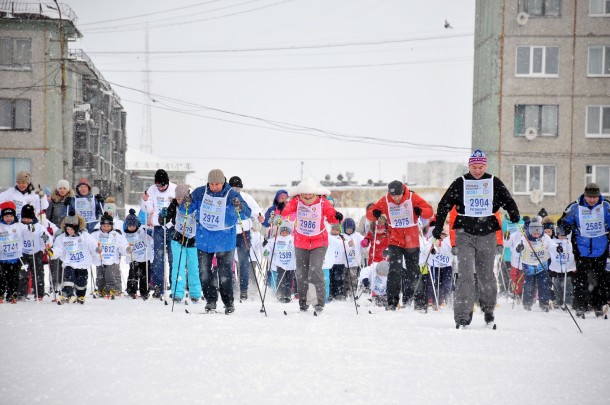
{"type": "Point", "coordinates": [309, 270]}
{"type": "Point", "coordinates": [109, 278]}
{"type": "Point", "coordinates": [475, 254]}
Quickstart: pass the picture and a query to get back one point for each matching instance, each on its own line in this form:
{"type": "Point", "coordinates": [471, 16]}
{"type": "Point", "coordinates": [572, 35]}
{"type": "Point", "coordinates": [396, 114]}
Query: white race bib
{"type": "Point", "coordinates": [85, 207]}
{"type": "Point", "coordinates": [478, 197]}
{"type": "Point", "coordinates": [309, 219]}
{"type": "Point", "coordinates": [212, 212]}
{"type": "Point", "coordinates": [187, 228]}
{"type": "Point", "coordinates": [592, 223]}
{"type": "Point", "coordinates": [9, 244]}
{"type": "Point", "coordinates": [401, 215]}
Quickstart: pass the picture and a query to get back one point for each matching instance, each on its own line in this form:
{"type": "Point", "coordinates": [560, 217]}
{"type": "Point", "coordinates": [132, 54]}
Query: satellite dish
{"type": "Point", "coordinates": [536, 196]}
{"type": "Point", "coordinates": [522, 18]}
{"type": "Point", "coordinates": [531, 133]}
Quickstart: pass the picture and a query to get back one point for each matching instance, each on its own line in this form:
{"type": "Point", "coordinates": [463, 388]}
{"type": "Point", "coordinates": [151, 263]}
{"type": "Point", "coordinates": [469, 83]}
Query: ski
{"type": "Point", "coordinates": [206, 312]}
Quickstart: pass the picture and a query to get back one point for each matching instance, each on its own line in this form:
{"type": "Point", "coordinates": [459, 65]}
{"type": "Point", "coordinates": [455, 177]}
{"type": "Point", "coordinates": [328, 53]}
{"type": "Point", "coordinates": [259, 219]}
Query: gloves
{"type": "Point", "coordinates": [40, 192]}
{"type": "Point", "coordinates": [520, 247]}
{"type": "Point", "coordinates": [365, 242]}
{"type": "Point", "coordinates": [454, 250]}
{"type": "Point", "coordinates": [417, 211]}
{"type": "Point", "coordinates": [338, 216]}
{"type": "Point", "coordinates": [559, 249]}
{"type": "Point", "coordinates": [515, 218]}
{"type": "Point", "coordinates": [99, 199]}
{"type": "Point", "coordinates": [171, 212]}
{"type": "Point", "coordinates": [265, 242]}
{"type": "Point", "coordinates": [377, 213]}
{"type": "Point", "coordinates": [366, 283]}
{"type": "Point", "coordinates": [129, 249]}
{"type": "Point", "coordinates": [67, 201]}
{"type": "Point", "coordinates": [188, 199]}
{"type": "Point", "coordinates": [437, 231]}
{"type": "Point", "coordinates": [433, 250]}
{"type": "Point", "coordinates": [499, 249]}
{"type": "Point", "coordinates": [236, 204]}
{"type": "Point", "coordinates": [98, 249]}
{"type": "Point", "coordinates": [280, 206]}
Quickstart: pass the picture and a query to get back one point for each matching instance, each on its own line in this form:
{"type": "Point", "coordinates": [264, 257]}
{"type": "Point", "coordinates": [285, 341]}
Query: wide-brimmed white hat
{"type": "Point", "coordinates": [308, 186]}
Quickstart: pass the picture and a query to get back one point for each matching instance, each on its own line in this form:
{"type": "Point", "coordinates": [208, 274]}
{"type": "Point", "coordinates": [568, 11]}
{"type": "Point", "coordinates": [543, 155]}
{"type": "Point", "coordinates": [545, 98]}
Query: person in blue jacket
{"type": "Point", "coordinates": [280, 196]}
{"type": "Point", "coordinates": [589, 220]}
{"type": "Point", "coordinates": [218, 205]}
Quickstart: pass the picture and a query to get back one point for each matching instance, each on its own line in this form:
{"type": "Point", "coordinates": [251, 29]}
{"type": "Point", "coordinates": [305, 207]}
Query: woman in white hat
{"type": "Point", "coordinates": [310, 236]}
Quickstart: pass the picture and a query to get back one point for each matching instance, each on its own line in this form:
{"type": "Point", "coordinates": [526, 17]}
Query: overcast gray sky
{"type": "Point", "coordinates": [255, 87]}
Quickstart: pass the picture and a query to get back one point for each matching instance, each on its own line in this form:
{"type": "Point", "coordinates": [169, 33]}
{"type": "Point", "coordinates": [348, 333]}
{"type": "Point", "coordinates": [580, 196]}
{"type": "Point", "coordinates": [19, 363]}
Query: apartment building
{"type": "Point", "coordinates": [541, 105]}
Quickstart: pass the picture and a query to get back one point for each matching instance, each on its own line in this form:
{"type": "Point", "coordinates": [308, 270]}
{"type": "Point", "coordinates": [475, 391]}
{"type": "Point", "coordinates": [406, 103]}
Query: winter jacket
{"type": "Point", "coordinates": [453, 215]}
{"type": "Point", "coordinates": [587, 246]}
{"type": "Point", "coordinates": [57, 210]}
{"type": "Point", "coordinates": [21, 198]}
{"type": "Point", "coordinates": [377, 243]}
{"type": "Point", "coordinates": [302, 241]}
{"type": "Point", "coordinates": [185, 226]}
{"type": "Point", "coordinates": [222, 240]}
{"type": "Point", "coordinates": [454, 196]}
{"type": "Point", "coordinates": [402, 237]}
{"type": "Point", "coordinates": [273, 209]}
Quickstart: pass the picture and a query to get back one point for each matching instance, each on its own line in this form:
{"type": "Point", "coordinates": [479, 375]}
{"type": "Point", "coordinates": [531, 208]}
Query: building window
{"type": "Point", "coordinates": [15, 53]}
{"type": "Point", "coordinates": [538, 61]}
{"type": "Point", "coordinates": [543, 118]}
{"type": "Point", "coordinates": [9, 168]}
{"type": "Point", "coordinates": [599, 175]}
{"type": "Point", "coordinates": [527, 178]}
{"type": "Point", "coordinates": [598, 121]}
{"type": "Point", "coordinates": [599, 8]}
{"type": "Point", "coordinates": [541, 8]}
{"type": "Point", "coordinates": [15, 115]}
{"type": "Point", "coordinates": [599, 61]}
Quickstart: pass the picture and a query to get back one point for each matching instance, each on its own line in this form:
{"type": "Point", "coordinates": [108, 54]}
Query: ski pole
{"type": "Point", "coordinates": [349, 272]}
{"type": "Point", "coordinates": [500, 270]}
{"type": "Point", "coordinates": [518, 279]}
{"type": "Point", "coordinates": [432, 281]}
{"type": "Point", "coordinates": [165, 262]}
{"type": "Point", "coordinates": [541, 265]}
{"type": "Point", "coordinates": [186, 204]}
{"type": "Point", "coordinates": [243, 233]}
{"type": "Point", "coordinates": [425, 265]}
{"type": "Point", "coordinates": [277, 228]}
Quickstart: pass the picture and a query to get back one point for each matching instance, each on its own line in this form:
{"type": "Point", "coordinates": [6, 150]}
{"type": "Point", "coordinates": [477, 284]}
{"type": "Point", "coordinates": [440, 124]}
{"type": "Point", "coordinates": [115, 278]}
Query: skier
{"type": "Point", "coordinates": [403, 207]}
{"type": "Point", "coordinates": [155, 202]}
{"type": "Point", "coordinates": [374, 278]}
{"type": "Point", "coordinates": [588, 218]}
{"type": "Point", "coordinates": [76, 249]}
{"type": "Point", "coordinates": [11, 244]}
{"type": "Point", "coordinates": [139, 255]}
{"type": "Point", "coordinates": [240, 244]}
{"type": "Point", "coordinates": [439, 265]}
{"type": "Point", "coordinates": [218, 204]}
{"type": "Point", "coordinates": [476, 196]}
{"type": "Point", "coordinates": [534, 253]}
{"type": "Point", "coordinates": [377, 240]}
{"type": "Point", "coordinates": [338, 269]}
{"type": "Point", "coordinates": [283, 261]}
{"type": "Point", "coordinates": [86, 205]}
{"type": "Point", "coordinates": [33, 246]}
{"type": "Point", "coordinates": [111, 244]}
{"type": "Point", "coordinates": [310, 237]}
{"type": "Point", "coordinates": [57, 211]}
{"type": "Point", "coordinates": [562, 267]}
{"type": "Point", "coordinates": [184, 251]}
{"type": "Point", "coordinates": [508, 230]}
{"type": "Point", "coordinates": [24, 193]}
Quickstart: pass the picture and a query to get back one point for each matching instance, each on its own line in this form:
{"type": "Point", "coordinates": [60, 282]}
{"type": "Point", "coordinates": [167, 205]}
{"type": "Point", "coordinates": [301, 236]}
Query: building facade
{"type": "Point", "coordinates": [59, 118]}
{"type": "Point", "coordinates": [541, 106]}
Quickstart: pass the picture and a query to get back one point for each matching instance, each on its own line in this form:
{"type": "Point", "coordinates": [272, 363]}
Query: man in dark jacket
{"type": "Point", "coordinates": [476, 196]}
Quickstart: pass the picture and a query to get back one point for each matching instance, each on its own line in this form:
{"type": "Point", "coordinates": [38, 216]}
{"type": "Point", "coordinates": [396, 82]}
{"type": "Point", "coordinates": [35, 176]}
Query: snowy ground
{"type": "Point", "coordinates": [140, 352]}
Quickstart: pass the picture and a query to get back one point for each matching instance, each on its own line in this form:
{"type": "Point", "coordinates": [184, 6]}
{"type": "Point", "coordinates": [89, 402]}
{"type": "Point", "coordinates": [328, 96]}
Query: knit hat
{"type": "Point", "coordinates": [396, 188]}
{"type": "Point", "coordinates": [131, 219]}
{"type": "Point", "coordinates": [542, 213]}
{"type": "Point", "coordinates": [236, 182]}
{"type": "Point", "coordinates": [216, 176]}
{"type": "Point", "coordinates": [592, 190]}
{"type": "Point", "coordinates": [181, 191]}
{"type": "Point", "coordinates": [23, 176]}
{"type": "Point", "coordinates": [27, 211]}
{"type": "Point", "coordinates": [286, 226]}
{"type": "Point", "coordinates": [349, 223]}
{"type": "Point", "coordinates": [548, 223]}
{"type": "Point", "coordinates": [106, 219]}
{"type": "Point", "coordinates": [63, 184]}
{"type": "Point", "coordinates": [85, 181]}
{"type": "Point", "coordinates": [535, 225]}
{"type": "Point", "coordinates": [383, 268]}
{"type": "Point", "coordinates": [161, 177]}
{"type": "Point", "coordinates": [110, 208]}
{"type": "Point", "coordinates": [560, 230]}
{"type": "Point", "coordinates": [71, 221]}
{"type": "Point", "coordinates": [335, 227]}
{"type": "Point", "coordinates": [8, 208]}
{"type": "Point", "coordinates": [477, 158]}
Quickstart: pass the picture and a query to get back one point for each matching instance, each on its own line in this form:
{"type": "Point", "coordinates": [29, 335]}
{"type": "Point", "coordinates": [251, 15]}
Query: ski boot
{"type": "Point", "coordinates": [211, 307]}
{"type": "Point", "coordinates": [229, 309]}
{"type": "Point", "coordinates": [80, 300]}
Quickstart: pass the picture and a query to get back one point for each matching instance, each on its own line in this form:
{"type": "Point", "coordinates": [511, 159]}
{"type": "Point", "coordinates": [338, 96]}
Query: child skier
{"type": "Point", "coordinates": [562, 267]}
{"type": "Point", "coordinates": [283, 261]}
{"type": "Point", "coordinates": [376, 239]}
{"type": "Point", "coordinates": [351, 246]}
{"type": "Point", "coordinates": [76, 250]}
{"type": "Point", "coordinates": [111, 244]}
{"type": "Point", "coordinates": [139, 255]}
{"type": "Point", "coordinates": [11, 244]}
{"type": "Point", "coordinates": [534, 253]}
{"type": "Point", "coordinates": [335, 244]}
{"type": "Point", "coordinates": [184, 253]}
{"type": "Point", "coordinates": [86, 205]}
{"type": "Point", "coordinates": [439, 265]}
{"type": "Point", "coordinates": [375, 279]}
{"type": "Point", "coordinates": [34, 237]}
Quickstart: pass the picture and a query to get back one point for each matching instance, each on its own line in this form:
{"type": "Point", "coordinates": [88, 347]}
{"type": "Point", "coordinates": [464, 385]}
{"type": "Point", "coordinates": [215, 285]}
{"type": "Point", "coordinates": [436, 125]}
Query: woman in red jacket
{"type": "Point", "coordinates": [310, 237]}
{"type": "Point", "coordinates": [403, 209]}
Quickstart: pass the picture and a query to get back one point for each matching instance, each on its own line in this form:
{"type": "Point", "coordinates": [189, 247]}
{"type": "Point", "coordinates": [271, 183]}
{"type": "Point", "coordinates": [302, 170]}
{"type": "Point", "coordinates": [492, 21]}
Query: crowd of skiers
{"type": "Point", "coordinates": [475, 248]}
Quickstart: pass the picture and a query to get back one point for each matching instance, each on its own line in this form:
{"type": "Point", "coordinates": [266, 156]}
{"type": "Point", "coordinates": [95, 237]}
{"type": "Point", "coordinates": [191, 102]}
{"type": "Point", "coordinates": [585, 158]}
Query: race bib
{"type": "Point", "coordinates": [212, 212]}
{"type": "Point", "coordinates": [478, 197]}
{"type": "Point", "coordinates": [309, 219]}
{"type": "Point", "coordinates": [187, 228]}
{"type": "Point", "coordinates": [401, 215]}
{"type": "Point", "coordinates": [85, 207]}
{"type": "Point", "coordinates": [592, 223]}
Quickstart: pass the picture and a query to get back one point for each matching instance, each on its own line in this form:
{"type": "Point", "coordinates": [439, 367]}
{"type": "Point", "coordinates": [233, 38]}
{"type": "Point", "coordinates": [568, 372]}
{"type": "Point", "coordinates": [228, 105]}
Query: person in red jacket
{"type": "Point", "coordinates": [377, 240]}
{"type": "Point", "coordinates": [310, 237]}
{"type": "Point", "coordinates": [403, 208]}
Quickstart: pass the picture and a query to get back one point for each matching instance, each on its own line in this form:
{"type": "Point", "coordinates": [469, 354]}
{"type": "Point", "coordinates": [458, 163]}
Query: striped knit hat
{"type": "Point", "coordinates": [477, 158]}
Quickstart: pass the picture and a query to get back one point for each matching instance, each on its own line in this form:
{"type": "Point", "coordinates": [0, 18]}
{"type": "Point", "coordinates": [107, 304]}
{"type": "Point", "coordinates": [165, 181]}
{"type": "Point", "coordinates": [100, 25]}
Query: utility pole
{"type": "Point", "coordinates": [62, 64]}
